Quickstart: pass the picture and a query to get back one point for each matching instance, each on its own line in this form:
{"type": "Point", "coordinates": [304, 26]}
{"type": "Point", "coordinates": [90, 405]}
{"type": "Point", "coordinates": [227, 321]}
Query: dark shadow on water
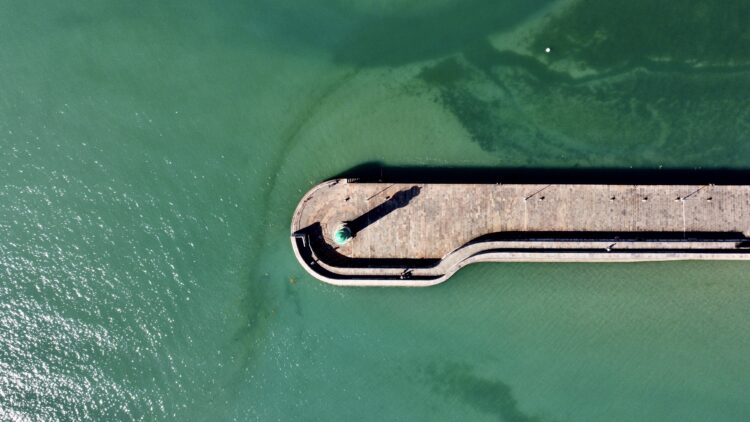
{"type": "Point", "coordinates": [398, 200]}
{"type": "Point", "coordinates": [378, 172]}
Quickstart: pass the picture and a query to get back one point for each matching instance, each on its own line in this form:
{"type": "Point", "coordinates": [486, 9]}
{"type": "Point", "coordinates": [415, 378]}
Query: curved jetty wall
{"type": "Point", "coordinates": [420, 234]}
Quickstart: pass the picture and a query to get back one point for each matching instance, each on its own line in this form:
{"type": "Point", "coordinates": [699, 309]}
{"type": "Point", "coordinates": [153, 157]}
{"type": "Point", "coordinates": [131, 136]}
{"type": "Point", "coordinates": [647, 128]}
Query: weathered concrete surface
{"type": "Point", "coordinates": [419, 234]}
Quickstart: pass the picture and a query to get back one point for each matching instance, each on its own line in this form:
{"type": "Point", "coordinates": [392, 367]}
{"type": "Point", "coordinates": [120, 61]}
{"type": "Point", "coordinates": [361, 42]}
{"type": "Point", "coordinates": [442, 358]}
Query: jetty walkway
{"type": "Point", "coordinates": [420, 234]}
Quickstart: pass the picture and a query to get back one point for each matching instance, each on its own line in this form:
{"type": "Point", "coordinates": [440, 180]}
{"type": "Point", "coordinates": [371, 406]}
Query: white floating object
{"type": "Point", "coordinates": [547, 50]}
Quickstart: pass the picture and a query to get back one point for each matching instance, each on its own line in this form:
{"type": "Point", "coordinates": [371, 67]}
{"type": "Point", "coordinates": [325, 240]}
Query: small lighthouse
{"type": "Point", "coordinates": [342, 235]}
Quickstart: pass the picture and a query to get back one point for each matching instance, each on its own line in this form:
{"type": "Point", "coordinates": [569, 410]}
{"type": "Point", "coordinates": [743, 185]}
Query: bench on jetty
{"type": "Point", "coordinates": [419, 234]}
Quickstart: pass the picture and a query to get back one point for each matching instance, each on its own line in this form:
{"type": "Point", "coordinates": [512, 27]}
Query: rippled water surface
{"type": "Point", "coordinates": [151, 155]}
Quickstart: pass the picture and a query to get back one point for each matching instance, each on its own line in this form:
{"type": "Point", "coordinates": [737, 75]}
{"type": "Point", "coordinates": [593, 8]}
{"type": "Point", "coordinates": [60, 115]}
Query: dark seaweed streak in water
{"type": "Point", "coordinates": [607, 35]}
{"type": "Point", "coordinates": [645, 94]}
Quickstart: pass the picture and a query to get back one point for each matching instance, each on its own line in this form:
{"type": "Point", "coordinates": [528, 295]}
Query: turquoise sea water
{"type": "Point", "coordinates": [151, 155]}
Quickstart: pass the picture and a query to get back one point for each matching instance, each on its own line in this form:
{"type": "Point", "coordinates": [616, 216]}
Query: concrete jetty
{"type": "Point", "coordinates": [419, 234]}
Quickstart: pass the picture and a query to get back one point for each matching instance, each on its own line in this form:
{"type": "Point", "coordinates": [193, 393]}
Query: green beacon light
{"type": "Point", "coordinates": [342, 234]}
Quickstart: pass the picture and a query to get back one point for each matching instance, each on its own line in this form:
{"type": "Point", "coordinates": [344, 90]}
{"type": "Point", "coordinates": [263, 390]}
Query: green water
{"type": "Point", "coordinates": [151, 155]}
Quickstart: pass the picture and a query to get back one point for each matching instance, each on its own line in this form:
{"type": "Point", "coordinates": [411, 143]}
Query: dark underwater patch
{"type": "Point", "coordinates": [609, 34]}
{"type": "Point", "coordinates": [486, 395]}
{"type": "Point", "coordinates": [636, 105]}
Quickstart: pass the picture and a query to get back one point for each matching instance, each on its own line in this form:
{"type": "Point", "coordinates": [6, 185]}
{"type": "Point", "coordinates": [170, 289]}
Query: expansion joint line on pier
{"type": "Point", "coordinates": [682, 200]}
{"type": "Point", "coordinates": [684, 222]}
